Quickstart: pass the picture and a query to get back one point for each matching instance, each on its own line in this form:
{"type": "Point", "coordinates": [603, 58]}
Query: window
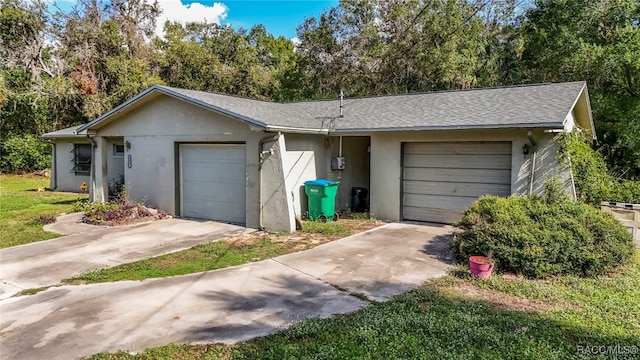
{"type": "Point", "coordinates": [82, 159]}
{"type": "Point", "coordinates": [118, 150]}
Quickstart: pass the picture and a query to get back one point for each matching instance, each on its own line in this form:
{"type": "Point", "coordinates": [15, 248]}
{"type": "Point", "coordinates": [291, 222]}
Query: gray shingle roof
{"type": "Point", "coordinates": [525, 106]}
{"type": "Point", "coordinates": [258, 112]}
{"type": "Point", "coordinates": [63, 133]}
{"type": "Point", "coordinates": [543, 105]}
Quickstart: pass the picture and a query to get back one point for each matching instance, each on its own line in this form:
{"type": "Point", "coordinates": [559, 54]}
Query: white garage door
{"type": "Point", "coordinates": [441, 180]}
{"type": "Point", "coordinates": [213, 182]}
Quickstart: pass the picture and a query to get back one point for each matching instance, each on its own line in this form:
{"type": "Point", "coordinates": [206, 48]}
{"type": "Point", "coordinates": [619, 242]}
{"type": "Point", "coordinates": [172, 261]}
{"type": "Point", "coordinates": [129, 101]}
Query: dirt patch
{"type": "Point", "coordinates": [504, 301]}
{"type": "Point", "coordinates": [169, 262]}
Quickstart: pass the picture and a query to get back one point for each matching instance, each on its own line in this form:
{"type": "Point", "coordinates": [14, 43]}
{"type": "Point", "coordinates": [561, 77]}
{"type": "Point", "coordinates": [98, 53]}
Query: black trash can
{"type": "Point", "coordinates": [359, 199]}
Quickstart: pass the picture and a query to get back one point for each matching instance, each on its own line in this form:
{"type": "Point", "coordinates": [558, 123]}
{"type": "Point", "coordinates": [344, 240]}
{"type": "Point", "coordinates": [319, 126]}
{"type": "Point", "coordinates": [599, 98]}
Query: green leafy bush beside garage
{"type": "Point", "coordinates": [541, 236]}
{"type": "Point", "coordinates": [593, 179]}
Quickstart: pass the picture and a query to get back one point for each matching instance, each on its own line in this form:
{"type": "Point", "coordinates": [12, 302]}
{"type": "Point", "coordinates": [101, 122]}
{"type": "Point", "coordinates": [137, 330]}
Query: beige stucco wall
{"type": "Point", "coordinates": [276, 201]}
{"type": "Point", "coordinates": [154, 130]}
{"type": "Point", "coordinates": [305, 159]}
{"type": "Point", "coordinates": [63, 177]}
{"type": "Point", "coordinates": [547, 165]}
{"type": "Point", "coordinates": [308, 157]}
{"type": "Point", "coordinates": [386, 163]}
{"type": "Point", "coordinates": [356, 172]}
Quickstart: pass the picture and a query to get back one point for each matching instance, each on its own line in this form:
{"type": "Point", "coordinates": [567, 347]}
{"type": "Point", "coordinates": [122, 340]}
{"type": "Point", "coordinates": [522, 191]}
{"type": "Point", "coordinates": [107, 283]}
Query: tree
{"type": "Point", "coordinates": [380, 47]}
{"type": "Point", "coordinates": [210, 57]}
{"type": "Point", "coordinates": [107, 51]}
{"type": "Point", "coordinates": [597, 41]}
{"type": "Point", "coordinates": [34, 94]}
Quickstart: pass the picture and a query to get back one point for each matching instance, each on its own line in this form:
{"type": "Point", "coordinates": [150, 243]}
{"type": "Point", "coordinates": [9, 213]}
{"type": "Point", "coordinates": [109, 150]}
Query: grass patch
{"type": "Point", "coordinates": [228, 252]}
{"type": "Point", "coordinates": [32, 291]}
{"type": "Point", "coordinates": [23, 209]}
{"type": "Point", "coordinates": [205, 257]}
{"type": "Point", "coordinates": [439, 321]}
{"type": "Point", "coordinates": [174, 352]}
{"type": "Point", "coordinates": [328, 228]}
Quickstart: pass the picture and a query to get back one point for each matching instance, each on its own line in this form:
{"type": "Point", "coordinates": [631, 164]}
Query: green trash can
{"type": "Point", "coordinates": [322, 199]}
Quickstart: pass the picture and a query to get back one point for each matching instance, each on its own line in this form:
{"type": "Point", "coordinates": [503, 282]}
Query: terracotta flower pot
{"type": "Point", "coordinates": [481, 266]}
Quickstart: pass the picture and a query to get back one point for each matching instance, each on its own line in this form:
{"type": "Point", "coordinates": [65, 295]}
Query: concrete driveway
{"type": "Point", "coordinates": [227, 305]}
{"type": "Point", "coordinates": [45, 263]}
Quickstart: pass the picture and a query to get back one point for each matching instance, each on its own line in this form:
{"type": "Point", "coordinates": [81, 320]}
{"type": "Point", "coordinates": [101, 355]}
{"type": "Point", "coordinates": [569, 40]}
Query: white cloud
{"type": "Point", "coordinates": [175, 10]}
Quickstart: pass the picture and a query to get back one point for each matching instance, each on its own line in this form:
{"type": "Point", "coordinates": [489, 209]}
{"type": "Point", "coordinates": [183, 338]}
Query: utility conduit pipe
{"type": "Point", "coordinates": [261, 158]}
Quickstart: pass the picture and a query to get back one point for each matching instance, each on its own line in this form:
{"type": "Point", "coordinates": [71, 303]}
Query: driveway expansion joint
{"type": "Point", "coordinates": [359, 296]}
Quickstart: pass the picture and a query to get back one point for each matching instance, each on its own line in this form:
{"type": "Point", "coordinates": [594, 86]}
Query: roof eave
{"type": "Point", "coordinates": [62, 136]}
{"type": "Point", "coordinates": [286, 129]}
{"type": "Point", "coordinates": [592, 123]}
{"type": "Point", "coordinates": [171, 93]}
{"type": "Point", "coordinates": [548, 125]}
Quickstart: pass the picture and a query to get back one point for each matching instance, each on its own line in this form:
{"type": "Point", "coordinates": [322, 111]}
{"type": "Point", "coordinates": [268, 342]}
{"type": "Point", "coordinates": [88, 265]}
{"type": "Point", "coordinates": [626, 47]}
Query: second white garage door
{"type": "Point", "coordinates": [213, 182]}
{"type": "Point", "coordinates": [440, 180]}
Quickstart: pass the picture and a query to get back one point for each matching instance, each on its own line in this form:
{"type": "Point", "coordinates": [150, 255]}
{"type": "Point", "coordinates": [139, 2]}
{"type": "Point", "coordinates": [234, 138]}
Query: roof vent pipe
{"type": "Point", "coordinates": [341, 101]}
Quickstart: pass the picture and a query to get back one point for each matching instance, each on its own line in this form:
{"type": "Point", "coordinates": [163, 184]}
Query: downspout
{"type": "Point", "coordinates": [532, 171]}
{"type": "Point", "coordinates": [92, 173]}
{"type": "Point", "coordinates": [261, 158]}
{"type": "Point", "coordinates": [340, 155]}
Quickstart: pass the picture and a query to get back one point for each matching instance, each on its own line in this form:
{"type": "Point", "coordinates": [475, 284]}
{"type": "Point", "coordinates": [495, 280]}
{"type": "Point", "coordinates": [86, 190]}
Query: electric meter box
{"type": "Point", "coordinates": [338, 163]}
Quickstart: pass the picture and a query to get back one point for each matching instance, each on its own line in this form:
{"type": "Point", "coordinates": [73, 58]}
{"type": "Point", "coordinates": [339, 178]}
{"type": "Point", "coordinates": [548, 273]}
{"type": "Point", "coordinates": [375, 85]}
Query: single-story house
{"type": "Point", "coordinates": [423, 157]}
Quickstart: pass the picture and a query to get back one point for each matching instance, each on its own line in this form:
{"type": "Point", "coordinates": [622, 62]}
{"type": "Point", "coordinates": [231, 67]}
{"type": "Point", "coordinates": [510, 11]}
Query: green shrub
{"type": "Point", "coordinates": [627, 191]}
{"type": "Point", "coordinates": [593, 180]}
{"type": "Point", "coordinates": [542, 236]}
{"type": "Point", "coordinates": [25, 153]}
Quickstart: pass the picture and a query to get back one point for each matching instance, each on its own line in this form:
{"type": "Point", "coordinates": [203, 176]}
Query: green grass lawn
{"type": "Point", "coordinates": [225, 253]}
{"type": "Point", "coordinates": [460, 318]}
{"type": "Point", "coordinates": [210, 256]}
{"type": "Point", "coordinates": [21, 205]}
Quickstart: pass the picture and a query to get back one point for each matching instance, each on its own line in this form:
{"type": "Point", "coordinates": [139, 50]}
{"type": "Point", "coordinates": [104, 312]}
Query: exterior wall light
{"type": "Point", "coordinates": [525, 149]}
{"type": "Point", "coordinates": [127, 144]}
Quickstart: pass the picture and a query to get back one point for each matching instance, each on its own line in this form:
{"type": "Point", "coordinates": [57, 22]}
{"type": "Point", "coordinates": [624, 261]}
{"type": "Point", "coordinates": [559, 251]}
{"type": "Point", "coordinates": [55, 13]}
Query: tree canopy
{"type": "Point", "coordinates": [61, 68]}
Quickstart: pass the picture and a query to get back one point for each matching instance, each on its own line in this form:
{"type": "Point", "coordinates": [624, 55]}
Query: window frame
{"type": "Point", "coordinates": [117, 153]}
{"type": "Point", "coordinates": [81, 163]}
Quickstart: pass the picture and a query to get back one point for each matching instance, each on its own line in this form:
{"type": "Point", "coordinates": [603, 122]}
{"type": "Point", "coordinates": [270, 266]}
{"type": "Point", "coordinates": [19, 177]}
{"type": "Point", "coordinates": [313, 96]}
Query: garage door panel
{"type": "Point", "coordinates": [499, 162]}
{"type": "Point", "coordinates": [230, 195]}
{"type": "Point", "coordinates": [203, 152]}
{"type": "Point", "coordinates": [213, 182]}
{"type": "Point", "coordinates": [458, 148]}
{"type": "Point", "coordinates": [433, 215]}
{"type": "Point", "coordinates": [203, 175]}
{"type": "Point", "coordinates": [438, 201]}
{"type": "Point", "coordinates": [441, 180]}
{"type": "Point", "coordinates": [460, 175]}
{"type": "Point", "coordinates": [199, 208]}
{"type": "Point", "coordinates": [455, 189]}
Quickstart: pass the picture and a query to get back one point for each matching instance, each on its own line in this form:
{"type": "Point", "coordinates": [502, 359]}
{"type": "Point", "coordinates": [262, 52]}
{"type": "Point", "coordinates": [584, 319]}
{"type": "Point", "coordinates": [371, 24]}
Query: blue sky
{"type": "Point", "coordinates": [279, 17]}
